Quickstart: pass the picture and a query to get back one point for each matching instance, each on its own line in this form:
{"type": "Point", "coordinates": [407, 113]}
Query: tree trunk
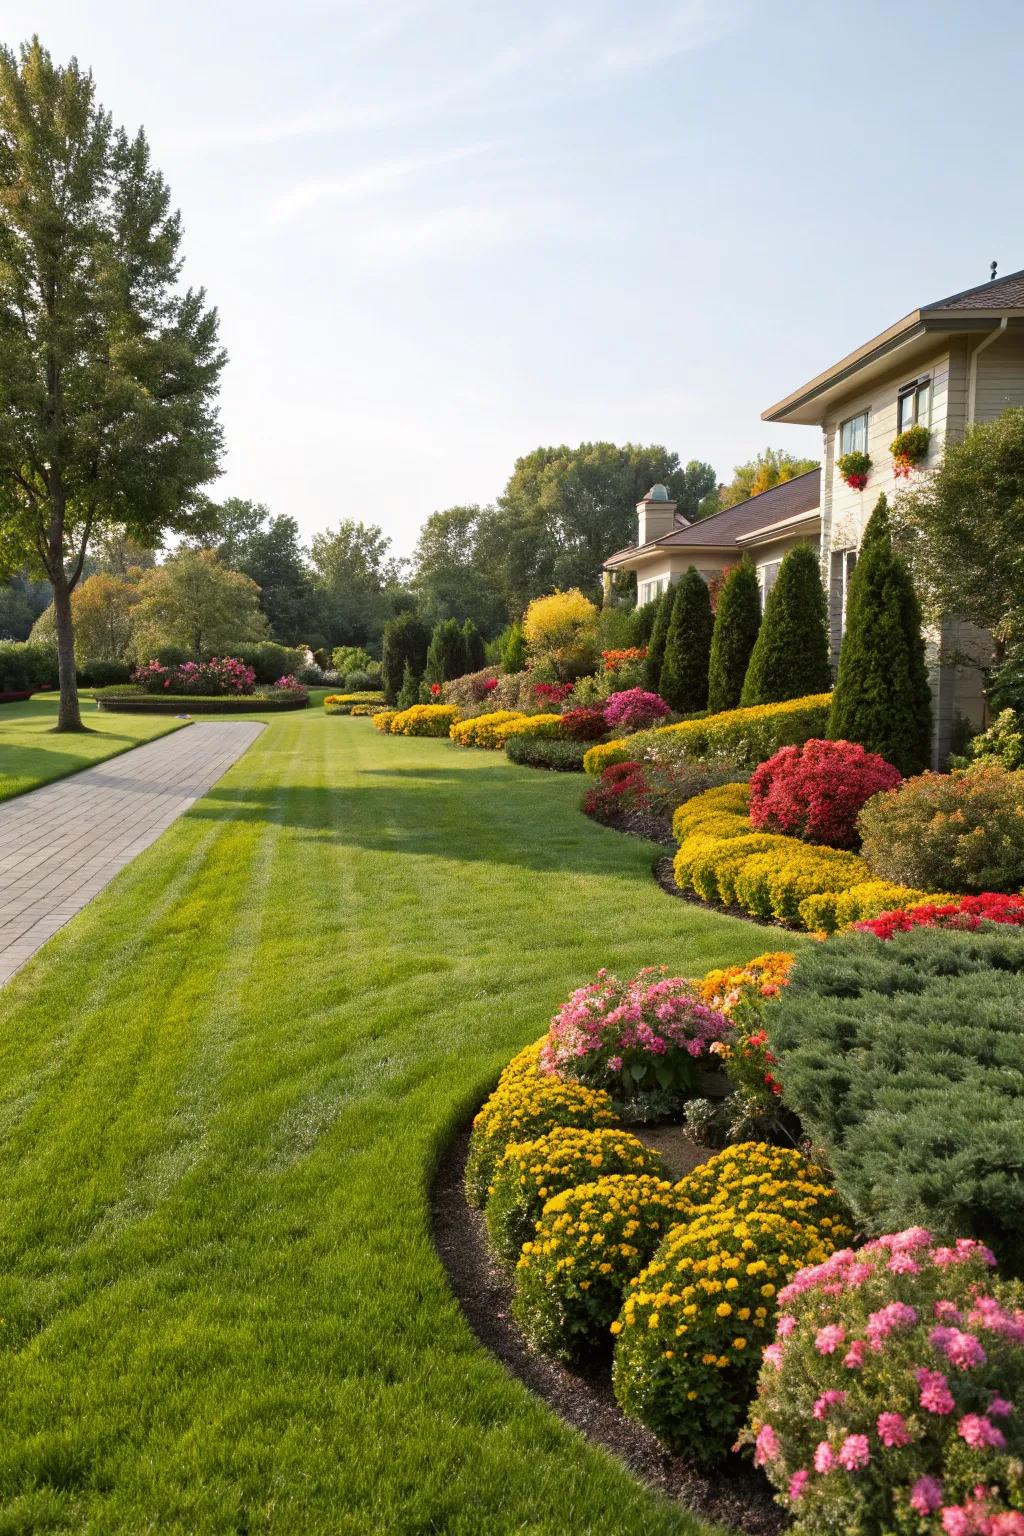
{"type": "Point", "coordinates": [69, 716]}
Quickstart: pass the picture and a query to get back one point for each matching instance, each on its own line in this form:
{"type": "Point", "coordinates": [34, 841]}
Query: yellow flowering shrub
{"type": "Point", "coordinates": [530, 1172]}
{"type": "Point", "coordinates": [828, 911]}
{"type": "Point", "coordinates": [752, 734]}
{"type": "Point", "coordinates": [547, 726]}
{"type": "Point", "coordinates": [589, 1243]}
{"type": "Point", "coordinates": [694, 1322]}
{"type": "Point", "coordinates": [382, 720]}
{"type": "Point", "coordinates": [521, 1108]}
{"type": "Point", "coordinates": [721, 858]}
{"type": "Point", "coordinates": [424, 720]}
{"type": "Point", "coordinates": [483, 730]}
{"type": "Point", "coordinates": [343, 703]}
{"type": "Point", "coordinates": [562, 628]}
{"type": "Point", "coordinates": [367, 709]}
{"type": "Point", "coordinates": [755, 1175]}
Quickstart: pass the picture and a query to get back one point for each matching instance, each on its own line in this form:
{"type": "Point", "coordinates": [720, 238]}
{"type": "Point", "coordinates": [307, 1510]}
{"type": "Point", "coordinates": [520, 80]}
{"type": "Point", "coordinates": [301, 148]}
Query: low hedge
{"type": "Point", "coordinates": [750, 735]}
{"type": "Point", "coordinates": [345, 703]}
{"type": "Point", "coordinates": [119, 702]}
{"type": "Point", "coordinates": [721, 858]}
{"type": "Point", "coordinates": [542, 752]}
{"type": "Point", "coordinates": [904, 1060]}
{"type": "Point", "coordinates": [490, 730]}
{"type": "Point", "coordinates": [424, 720]}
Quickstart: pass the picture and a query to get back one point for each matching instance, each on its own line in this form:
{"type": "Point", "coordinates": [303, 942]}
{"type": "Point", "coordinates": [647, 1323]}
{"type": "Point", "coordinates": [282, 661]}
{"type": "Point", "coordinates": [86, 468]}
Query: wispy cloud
{"type": "Point", "coordinates": [368, 182]}
{"type": "Point", "coordinates": [683, 27]}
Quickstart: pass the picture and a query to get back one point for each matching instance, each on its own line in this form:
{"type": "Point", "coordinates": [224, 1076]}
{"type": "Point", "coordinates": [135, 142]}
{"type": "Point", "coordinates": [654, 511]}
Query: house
{"type": "Point", "coordinates": [944, 366]}
{"type": "Point", "coordinates": [768, 526]}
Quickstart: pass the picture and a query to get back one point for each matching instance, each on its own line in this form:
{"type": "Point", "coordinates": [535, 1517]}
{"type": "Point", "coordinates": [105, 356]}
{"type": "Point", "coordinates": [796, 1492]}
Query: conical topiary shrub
{"type": "Point", "coordinates": [656, 645]}
{"type": "Point", "coordinates": [684, 672]}
{"type": "Point", "coordinates": [790, 655]}
{"type": "Point", "coordinates": [473, 646]}
{"type": "Point", "coordinates": [737, 621]}
{"type": "Point", "coordinates": [446, 656]}
{"type": "Point", "coordinates": [882, 698]}
{"type": "Point", "coordinates": [409, 693]}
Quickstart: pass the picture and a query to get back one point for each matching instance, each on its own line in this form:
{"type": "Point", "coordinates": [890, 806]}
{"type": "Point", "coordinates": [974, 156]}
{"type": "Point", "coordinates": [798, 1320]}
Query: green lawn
{"type": "Point", "coordinates": [223, 1088]}
{"type": "Point", "coordinates": [31, 753]}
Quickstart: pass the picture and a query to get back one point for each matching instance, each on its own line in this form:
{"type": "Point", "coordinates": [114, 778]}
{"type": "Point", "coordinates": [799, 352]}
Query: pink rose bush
{"type": "Point", "coordinates": [634, 710]}
{"type": "Point", "coordinates": [643, 1039]}
{"type": "Point", "coordinates": [892, 1399]}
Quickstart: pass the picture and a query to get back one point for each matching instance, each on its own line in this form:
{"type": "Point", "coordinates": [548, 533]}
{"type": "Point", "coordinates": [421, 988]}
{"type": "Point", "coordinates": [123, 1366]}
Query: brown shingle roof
{"type": "Point", "coordinates": [1000, 293]}
{"type": "Point", "coordinates": [722, 529]}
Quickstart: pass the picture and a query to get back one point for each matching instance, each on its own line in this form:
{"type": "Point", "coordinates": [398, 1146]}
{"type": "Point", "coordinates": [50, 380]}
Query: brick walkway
{"type": "Point", "coordinates": [60, 845]}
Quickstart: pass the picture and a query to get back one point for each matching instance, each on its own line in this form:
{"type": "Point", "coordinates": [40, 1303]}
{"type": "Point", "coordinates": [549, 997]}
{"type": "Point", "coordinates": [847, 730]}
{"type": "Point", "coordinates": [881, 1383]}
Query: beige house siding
{"type": "Point", "coordinates": [661, 574]}
{"type": "Point", "coordinates": [1000, 377]}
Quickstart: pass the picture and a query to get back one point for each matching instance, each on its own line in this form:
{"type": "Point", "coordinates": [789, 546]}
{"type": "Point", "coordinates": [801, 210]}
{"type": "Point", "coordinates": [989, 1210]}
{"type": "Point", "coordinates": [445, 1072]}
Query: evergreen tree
{"type": "Point", "coordinates": [409, 693]}
{"type": "Point", "coordinates": [737, 621]}
{"type": "Point", "coordinates": [473, 648]}
{"type": "Point", "coordinates": [643, 619]}
{"type": "Point", "coordinates": [406, 639]}
{"type": "Point", "coordinates": [656, 644]}
{"type": "Point", "coordinates": [882, 699]}
{"type": "Point", "coordinates": [446, 655]}
{"type": "Point", "coordinates": [512, 648]}
{"type": "Point", "coordinates": [790, 656]}
{"type": "Point", "coordinates": [684, 671]}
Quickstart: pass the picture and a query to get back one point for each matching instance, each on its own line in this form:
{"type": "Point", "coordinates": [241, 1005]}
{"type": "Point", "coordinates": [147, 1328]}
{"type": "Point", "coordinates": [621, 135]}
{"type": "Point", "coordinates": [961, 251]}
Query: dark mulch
{"type": "Point", "coordinates": [734, 1495]}
{"type": "Point", "coordinates": [662, 871]}
{"type": "Point", "coordinates": [647, 824]}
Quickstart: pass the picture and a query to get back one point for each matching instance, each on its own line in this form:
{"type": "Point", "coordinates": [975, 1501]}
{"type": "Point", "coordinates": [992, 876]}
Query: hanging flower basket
{"type": "Point", "coordinates": [909, 449]}
{"type": "Point", "coordinates": [854, 468]}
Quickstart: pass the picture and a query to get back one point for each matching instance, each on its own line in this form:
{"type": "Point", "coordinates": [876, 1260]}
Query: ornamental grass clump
{"type": "Point", "coordinates": [424, 720]}
{"type": "Point", "coordinates": [589, 1243]}
{"type": "Point", "coordinates": [643, 1040]}
{"type": "Point", "coordinates": [530, 1172]}
{"type": "Point", "coordinates": [693, 1324]}
{"type": "Point", "coordinates": [816, 791]}
{"type": "Point", "coordinates": [892, 1399]}
{"type": "Point", "coordinates": [521, 1108]}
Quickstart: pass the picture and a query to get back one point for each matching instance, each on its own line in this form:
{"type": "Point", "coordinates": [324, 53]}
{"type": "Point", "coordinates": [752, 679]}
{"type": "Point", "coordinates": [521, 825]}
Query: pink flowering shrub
{"type": "Point", "coordinates": [634, 710]}
{"type": "Point", "coordinates": [892, 1399]}
{"type": "Point", "coordinates": [643, 1040]}
{"type": "Point", "coordinates": [817, 791]}
{"type": "Point", "coordinates": [208, 679]}
{"type": "Point", "coordinates": [289, 684]}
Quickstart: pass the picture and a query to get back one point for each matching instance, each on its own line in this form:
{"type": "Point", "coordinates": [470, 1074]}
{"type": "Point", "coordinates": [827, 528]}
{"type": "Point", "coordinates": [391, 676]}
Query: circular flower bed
{"type": "Point", "coordinates": [589, 1243]}
{"type": "Point", "coordinates": [893, 1396]}
{"type": "Point", "coordinates": [530, 1172]}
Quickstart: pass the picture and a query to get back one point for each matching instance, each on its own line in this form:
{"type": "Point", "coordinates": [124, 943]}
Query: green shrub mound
{"type": "Point", "coordinates": [25, 666]}
{"type": "Point", "coordinates": [790, 656]}
{"type": "Point", "coordinates": [540, 752]}
{"type": "Point", "coordinates": [121, 701]}
{"type": "Point", "coordinates": [656, 643]}
{"type": "Point", "coordinates": [905, 1062]}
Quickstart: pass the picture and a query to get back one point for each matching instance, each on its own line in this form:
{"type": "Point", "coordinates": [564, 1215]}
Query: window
{"type": "Point", "coordinates": [842, 565]}
{"type": "Point", "coordinates": [913, 404]}
{"type": "Point", "coordinates": [767, 574]}
{"type": "Point", "coordinates": [853, 434]}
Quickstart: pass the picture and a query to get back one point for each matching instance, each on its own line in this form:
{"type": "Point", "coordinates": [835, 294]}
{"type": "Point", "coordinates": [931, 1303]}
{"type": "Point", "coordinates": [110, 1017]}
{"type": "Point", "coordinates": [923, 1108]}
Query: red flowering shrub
{"type": "Point", "coordinates": [582, 724]}
{"type": "Point", "coordinates": [818, 790]}
{"type": "Point", "coordinates": [634, 710]}
{"type": "Point", "coordinates": [622, 787]}
{"type": "Point", "coordinates": [966, 914]}
{"type": "Point", "coordinates": [551, 693]}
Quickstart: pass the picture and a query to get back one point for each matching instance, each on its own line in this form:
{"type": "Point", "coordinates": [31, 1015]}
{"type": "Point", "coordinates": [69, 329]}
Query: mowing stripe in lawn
{"type": "Point", "coordinates": [223, 1089]}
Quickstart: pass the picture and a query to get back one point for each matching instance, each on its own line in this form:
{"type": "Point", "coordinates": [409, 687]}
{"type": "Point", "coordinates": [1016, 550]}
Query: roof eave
{"type": "Point", "coordinates": [780, 529]}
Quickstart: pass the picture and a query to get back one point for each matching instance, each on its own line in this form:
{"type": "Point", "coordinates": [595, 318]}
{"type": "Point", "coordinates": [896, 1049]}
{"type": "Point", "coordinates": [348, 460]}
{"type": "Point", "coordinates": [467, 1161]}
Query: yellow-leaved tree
{"type": "Point", "coordinates": [561, 630]}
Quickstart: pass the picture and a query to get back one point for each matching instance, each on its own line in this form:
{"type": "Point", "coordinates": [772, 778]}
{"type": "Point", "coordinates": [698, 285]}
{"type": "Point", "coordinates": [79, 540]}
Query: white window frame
{"type": "Point", "coordinates": [854, 446]}
{"type": "Point", "coordinates": [911, 394]}
{"type": "Point", "coordinates": [763, 580]}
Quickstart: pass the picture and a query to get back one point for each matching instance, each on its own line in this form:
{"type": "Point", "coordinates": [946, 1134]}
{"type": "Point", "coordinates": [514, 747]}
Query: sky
{"type": "Point", "coordinates": [440, 234]}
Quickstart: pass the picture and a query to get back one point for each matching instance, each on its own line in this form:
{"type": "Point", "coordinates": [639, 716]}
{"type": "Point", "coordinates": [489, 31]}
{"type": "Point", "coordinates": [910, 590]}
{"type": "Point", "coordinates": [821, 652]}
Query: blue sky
{"type": "Point", "coordinates": [442, 233]}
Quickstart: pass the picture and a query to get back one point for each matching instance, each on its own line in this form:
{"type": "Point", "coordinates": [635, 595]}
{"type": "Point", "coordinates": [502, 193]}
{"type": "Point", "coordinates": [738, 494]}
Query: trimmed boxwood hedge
{"type": "Point", "coordinates": [546, 752]}
{"type": "Point", "coordinates": [904, 1060]}
{"type": "Point", "coordinates": [120, 701]}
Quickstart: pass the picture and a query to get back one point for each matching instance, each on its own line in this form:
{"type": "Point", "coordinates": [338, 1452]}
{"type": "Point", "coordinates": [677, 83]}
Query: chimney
{"type": "Point", "coordinates": [656, 516]}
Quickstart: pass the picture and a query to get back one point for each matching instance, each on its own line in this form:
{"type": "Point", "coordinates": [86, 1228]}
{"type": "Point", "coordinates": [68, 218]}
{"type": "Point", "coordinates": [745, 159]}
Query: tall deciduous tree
{"type": "Point", "coordinates": [790, 656]}
{"type": "Point", "coordinates": [737, 621]}
{"type": "Point", "coordinates": [962, 528]}
{"type": "Point", "coordinates": [882, 698]}
{"type": "Point", "coordinates": [684, 671]}
{"type": "Point", "coordinates": [450, 579]}
{"type": "Point", "coordinates": [101, 607]}
{"type": "Point", "coordinates": [356, 576]}
{"type": "Point", "coordinates": [108, 370]}
{"type": "Point", "coordinates": [272, 557]}
{"type": "Point", "coordinates": [195, 602]}
{"type": "Point", "coordinates": [772, 467]}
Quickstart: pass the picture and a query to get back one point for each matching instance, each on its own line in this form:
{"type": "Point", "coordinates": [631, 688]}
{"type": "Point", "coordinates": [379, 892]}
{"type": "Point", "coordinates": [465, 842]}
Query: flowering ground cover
{"type": "Point", "coordinates": [223, 1089]}
{"type": "Point", "coordinates": [31, 754]}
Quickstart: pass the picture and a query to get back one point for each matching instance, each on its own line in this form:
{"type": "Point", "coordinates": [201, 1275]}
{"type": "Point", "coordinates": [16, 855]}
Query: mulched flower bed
{"type": "Point", "coordinates": [735, 1495]}
{"type": "Point", "coordinates": [647, 824]}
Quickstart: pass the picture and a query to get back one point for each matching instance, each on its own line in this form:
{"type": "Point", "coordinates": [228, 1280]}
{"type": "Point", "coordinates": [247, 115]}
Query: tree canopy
{"type": "Point", "coordinates": [359, 579]}
{"type": "Point", "coordinates": [108, 368]}
{"type": "Point", "coordinates": [195, 602]}
{"type": "Point", "coordinates": [772, 467]}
